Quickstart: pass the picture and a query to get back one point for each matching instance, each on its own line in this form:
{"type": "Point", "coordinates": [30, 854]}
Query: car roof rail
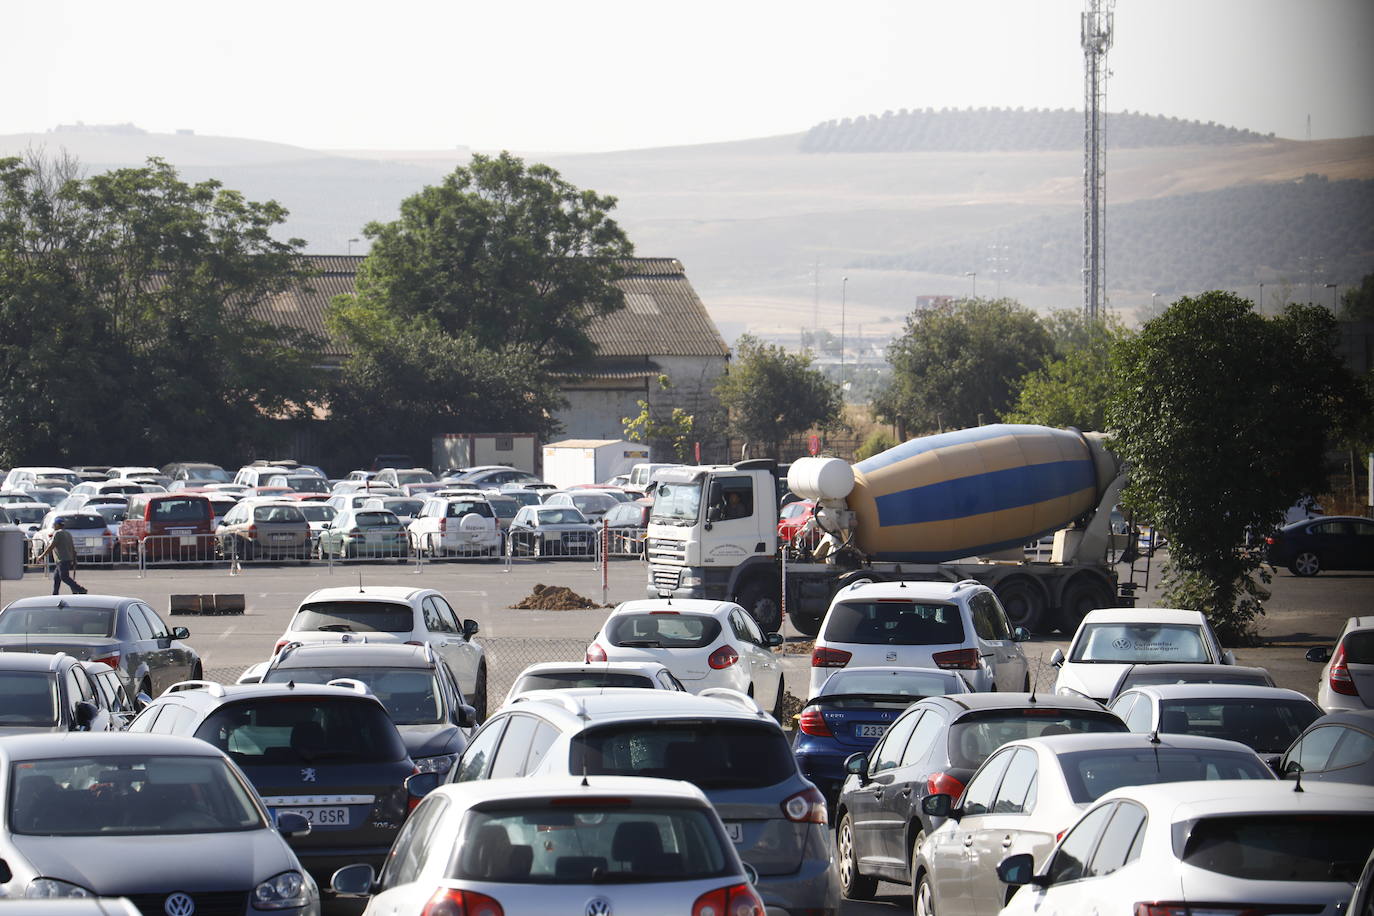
{"type": "Point", "coordinates": [350, 683]}
{"type": "Point", "coordinates": [214, 688]}
{"type": "Point", "coordinates": [56, 660]}
{"type": "Point", "coordinates": [966, 583]}
{"type": "Point", "coordinates": [573, 705]}
{"type": "Point", "coordinates": [734, 696]}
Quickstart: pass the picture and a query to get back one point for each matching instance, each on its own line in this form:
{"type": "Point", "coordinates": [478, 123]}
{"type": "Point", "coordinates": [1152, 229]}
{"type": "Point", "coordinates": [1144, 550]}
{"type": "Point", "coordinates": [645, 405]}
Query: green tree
{"type": "Point", "coordinates": [1357, 302]}
{"type": "Point", "coordinates": [504, 253]}
{"type": "Point", "coordinates": [669, 433]}
{"type": "Point", "coordinates": [1073, 389]}
{"type": "Point", "coordinates": [772, 394]}
{"type": "Point", "coordinates": [1224, 417]}
{"type": "Point", "coordinates": [959, 364]}
{"type": "Point", "coordinates": [130, 302]}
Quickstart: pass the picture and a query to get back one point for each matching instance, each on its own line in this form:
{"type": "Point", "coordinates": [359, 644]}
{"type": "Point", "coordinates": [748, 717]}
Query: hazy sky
{"type": "Point", "coordinates": [546, 75]}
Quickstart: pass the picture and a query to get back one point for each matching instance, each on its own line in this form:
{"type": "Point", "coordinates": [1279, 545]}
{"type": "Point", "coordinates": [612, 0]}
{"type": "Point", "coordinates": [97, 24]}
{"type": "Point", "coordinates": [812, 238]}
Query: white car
{"type": "Point", "coordinates": [394, 614]}
{"type": "Point", "coordinates": [90, 534]}
{"type": "Point", "coordinates": [1109, 641]}
{"type": "Point", "coordinates": [628, 846]}
{"type": "Point", "coordinates": [590, 503]}
{"type": "Point", "coordinates": [565, 675]}
{"type": "Point", "coordinates": [1266, 719]}
{"type": "Point", "coordinates": [461, 526]}
{"type": "Point", "coordinates": [1030, 792]}
{"type": "Point", "coordinates": [1348, 676]}
{"type": "Point", "coordinates": [1243, 847]}
{"type": "Point", "coordinates": [704, 643]}
{"type": "Point", "coordinates": [956, 627]}
{"type": "Point", "coordinates": [27, 478]}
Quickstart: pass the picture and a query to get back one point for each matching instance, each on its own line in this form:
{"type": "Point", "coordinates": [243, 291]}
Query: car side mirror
{"type": "Point", "coordinates": [1020, 634]}
{"type": "Point", "coordinates": [466, 717]}
{"type": "Point", "coordinates": [1057, 657]}
{"type": "Point", "coordinates": [857, 765]}
{"type": "Point", "coordinates": [6, 876]}
{"type": "Point", "coordinates": [421, 784]}
{"type": "Point", "coordinates": [939, 805]}
{"type": "Point", "coordinates": [1228, 657]}
{"type": "Point", "coordinates": [751, 873]}
{"type": "Point", "coordinates": [1320, 654]}
{"type": "Point", "coordinates": [353, 881]}
{"type": "Point", "coordinates": [1017, 870]}
{"type": "Point", "coordinates": [181, 633]}
{"type": "Point", "coordinates": [86, 712]}
{"type": "Point", "coordinates": [774, 639]}
{"type": "Point", "coordinates": [470, 628]}
{"type": "Point", "coordinates": [292, 824]}
{"type": "Point", "coordinates": [325, 525]}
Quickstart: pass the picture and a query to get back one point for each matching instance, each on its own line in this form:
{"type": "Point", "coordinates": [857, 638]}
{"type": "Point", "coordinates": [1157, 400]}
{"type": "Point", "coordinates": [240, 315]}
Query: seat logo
{"type": "Point", "coordinates": [179, 904]}
{"type": "Point", "coordinates": [598, 906]}
{"type": "Point", "coordinates": [892, 656]}
{"type": "Point", "coordinates": [308, 774]}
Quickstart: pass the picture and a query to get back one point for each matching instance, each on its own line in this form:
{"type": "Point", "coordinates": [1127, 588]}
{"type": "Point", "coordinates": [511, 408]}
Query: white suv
{"type": "Point", "coordinates": [958, 627]}
{"type": "Point", "coordinates": [462, 526]}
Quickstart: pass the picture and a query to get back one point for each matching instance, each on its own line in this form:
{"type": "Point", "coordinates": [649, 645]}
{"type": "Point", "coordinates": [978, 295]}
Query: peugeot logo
{"type": "Point", "coordinates": [598, 906]}
{"type": "Point", "coordinates": [179, 904]}
{"type": "Point", "coordinates": [308, 774]}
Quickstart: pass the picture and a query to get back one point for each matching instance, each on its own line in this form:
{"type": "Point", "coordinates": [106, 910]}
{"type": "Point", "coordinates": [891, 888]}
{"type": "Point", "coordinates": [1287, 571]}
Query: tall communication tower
{"type": "Point", "coordinates": [1095, 34]}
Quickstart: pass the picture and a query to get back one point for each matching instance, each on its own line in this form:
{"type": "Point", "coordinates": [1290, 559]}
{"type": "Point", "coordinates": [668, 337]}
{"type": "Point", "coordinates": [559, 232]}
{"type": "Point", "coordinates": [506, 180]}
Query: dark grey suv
{"type": "Point", "coordinates": [327, 753]}
{"type": "Point", "coordinates": [50, 693]}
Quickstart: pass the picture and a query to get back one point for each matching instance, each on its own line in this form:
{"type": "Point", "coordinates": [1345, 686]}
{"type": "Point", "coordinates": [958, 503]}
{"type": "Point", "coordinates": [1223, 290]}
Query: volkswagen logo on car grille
{"type": "Point", "coordinates": [892, 656]}
{"type": "Point", "coordinates": [598, 906]}
{"type": "Point", "coordinates": [179, 904]}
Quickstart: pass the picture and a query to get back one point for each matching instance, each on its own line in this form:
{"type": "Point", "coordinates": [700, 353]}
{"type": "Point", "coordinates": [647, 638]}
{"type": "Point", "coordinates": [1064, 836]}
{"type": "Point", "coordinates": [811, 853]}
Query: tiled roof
{"type": "Point", "coordinates": [663, 316]}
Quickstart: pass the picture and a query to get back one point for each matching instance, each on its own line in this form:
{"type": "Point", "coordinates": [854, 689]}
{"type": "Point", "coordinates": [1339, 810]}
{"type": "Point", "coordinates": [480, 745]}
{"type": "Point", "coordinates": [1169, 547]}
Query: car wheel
{"type": "Point", "coordinates": [478, 700]}
{"type": "Point", "coordinates": [1306, 563]}
{"type": "Point", "coordinates": [853, 885]}
{"type": "Point", "coordinates": [197, 672]}
{"type": "Point", "coordinates": [145, 686]}
{"type": "Point", "coordinates": [922, 901]}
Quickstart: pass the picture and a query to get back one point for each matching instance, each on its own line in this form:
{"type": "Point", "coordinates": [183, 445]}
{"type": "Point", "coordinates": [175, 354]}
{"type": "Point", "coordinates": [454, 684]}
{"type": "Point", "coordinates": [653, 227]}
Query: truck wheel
{"type": "Point", "coordinates": [1024, 601]}
{"type": "Point", "coordinates": [756, 598]}
{"type": "Point", "coordinates": [1084, 593]}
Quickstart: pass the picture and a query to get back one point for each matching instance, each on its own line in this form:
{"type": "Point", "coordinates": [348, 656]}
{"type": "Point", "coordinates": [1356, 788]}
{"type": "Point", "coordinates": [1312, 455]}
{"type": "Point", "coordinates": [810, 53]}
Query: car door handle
{"type": "Point", "coordinates": [968, 840]}
{"type": "Point", "coordinates": [1006, 841]}
{"type": "Point", "coordinates": [906, 792]}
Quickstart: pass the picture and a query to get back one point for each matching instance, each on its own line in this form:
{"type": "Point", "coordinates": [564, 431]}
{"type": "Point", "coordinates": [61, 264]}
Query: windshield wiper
{"type": "Point", "coordinates": [336, 628]}
{"type": "Point", "coordinates": [640, 644]}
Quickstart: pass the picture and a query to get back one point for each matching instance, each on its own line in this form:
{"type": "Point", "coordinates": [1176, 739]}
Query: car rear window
{"type": "Point", "coordinates": [27, 699]}
{"type": "Point", "coordinates": [900, 622]}
{"type": "Point", "coordinates": [279, 514]}
{"type": "Point", "coordinates": [560, 680]}
{"type": "Point", "coordinates": [906, 686]}
{"type": "Point", "coordinates": [1139, 643]}
{"type": "Point", "coordinates": [375, 520]}
{"type": "Point", "coordinates": [459, 509]}
{"type": "Point", "coordinates": [1359, 647]}
{"type": "Point", "coordinates": [318, 512]}
{"type": "Point", "coordinates": [1278, 847]}
{"type": "Point", "coordinates": [1091, 774]}
{"type": "Point", "coordinates": [58, 621]}
{"type": "Point", "coordinates": [974, 736]}
{"type": "Point", "coordinates": [354, 617]}
{"type": "Point", "coordinates": [83, 522]}
{"type": "Point", "coordinates": [1144, 677]}
{"type": "Point", "coordinates": [410, 695]}
{"type": "Point", "coordinates": [1267, 725]}
{"type": "Point", "coordinates": [181, 510]}
{"type": "Point", "coordinates": [662, 631]}
{"type": "Point", "coordinates": [303, 731]}
{"type": "Point", "coordinates": [597, 842]}
{"type": "Point", "coordinates": [711, 753]}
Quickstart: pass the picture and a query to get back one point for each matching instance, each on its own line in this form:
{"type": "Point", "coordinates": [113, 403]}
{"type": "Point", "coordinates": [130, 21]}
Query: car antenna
{"type": "Point", "coordinates": [1297, 781]}
{"type": "Point", "coordinates": [1154, 737]}
{"type": "Point", "coordinates": [360, 580]}
{"type": "Point", "coordinates": [1035, 683]}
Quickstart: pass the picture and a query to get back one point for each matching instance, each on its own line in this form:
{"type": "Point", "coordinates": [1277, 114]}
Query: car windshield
{"type": "Point", "coordinates": [201, 472]}
{"type": "Point", "coordinates": [676, 503]}
{"type": "Point", "coordinates": [410, 695]}
{"type": "Point", "coordinates": [568, 515]}
{"type": "Point", "coordinates": [973, 737]}
{"type": "Point", "coordinates": [608, 843]}
{"type": "Point", "coordinates": [1091, 774]}
{"type": "Point", "coordinates": [524, 497]}
{"type": "Point", "coordinates": [56, 620]}
{"type": "Point", "coordinates": [318, 512]}
{"type": "Point", "coordinates": [110, 512]}
{"type": "Point", "coordinates": [129, 795]}
{"type": "Point", "coordinates": [504, 508]}
{"type": "Point", "coordinates": [1278, 847]}
{"type": "Point", "coordinates": [84, 522]}
{"type": "Point", "coordinates": [405, 477]}
{"type": "Point", "coordinates": [896, 622]}
{"type": "Point", "coordinates": [26, 515]}
{"type": "Point", "coordinates": [376, 518]}
{"type": "Point", "coordinates": [662, 631]}
{"type": "Point", "coordinates": [905, 687]}
{"type": "Point", "coordinates": [593, 502]}
{"type": "Point", "coordinates": [1359, 647]}
{"type": "Point", "coordinates": [711, 753]}
{"type": "Point", "coordinates": [1139, 644]}
{"type": "Point", "coordinates": [302, 730]}
{"type": "Point", "coordinates": [353, 617]}
{"type": "Point", "coordinates": [181, 510]}
{"type": "Point", "coordinates": [407, 507]}
{"type": "Point", "coordinates": [278, 514]}
{"type": "Point", "coordinates": [559, 680]}
{"type": "Point", "coordinates": [27, 699]}
{"type": "Point", "coordinates": [1268, 725]}
{"type": "Point", "coordinates": [308, 484]}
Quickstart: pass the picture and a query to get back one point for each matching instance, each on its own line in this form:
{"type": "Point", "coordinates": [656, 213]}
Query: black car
{"type": "Point", "coordinates": [934, 748]}
{"type": "Point", "coordinates": [413, 682]}
{"type": "Point", "coordinates": [1316, 544]}
{"type": "Point", "coordinates": [1335, 748]}
{"type": "Point", "coordinates": [628, 522]}
{"type": "Point", "coordinates": [1188, 673]}
{"type": "Point", "coordinates": [40, 692]}
{"type": "Point", "coordinates": [328, 753]}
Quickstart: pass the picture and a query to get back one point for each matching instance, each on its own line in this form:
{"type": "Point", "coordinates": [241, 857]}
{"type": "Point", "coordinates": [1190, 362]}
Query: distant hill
{"type": "Point", "coordinates": [1006, 129]}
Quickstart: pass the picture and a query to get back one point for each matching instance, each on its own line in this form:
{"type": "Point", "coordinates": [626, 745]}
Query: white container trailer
{"type": "Point", "coordinates": [577, 461]}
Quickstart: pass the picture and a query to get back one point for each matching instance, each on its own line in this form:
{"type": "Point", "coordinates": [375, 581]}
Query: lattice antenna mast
{"type": "Point", "coordinates": [1096, 37]}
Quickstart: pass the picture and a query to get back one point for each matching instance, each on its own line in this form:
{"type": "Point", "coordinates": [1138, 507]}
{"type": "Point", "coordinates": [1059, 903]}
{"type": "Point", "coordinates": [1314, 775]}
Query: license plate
{"type": "Point", "coordinates": [319, 817]}
{"type": "Point", "coordinates": [373, 540]}
{"type": "Point", "coordinates": [282, 538]}
{"type": "Point", "coordinates": [552, 537]}
{"type": "Point", "coordinates": [188, 541]}
{"type": "Point", "coordinates": [865, 730]}
{"type": "Point", "coordinates": [735, 831]}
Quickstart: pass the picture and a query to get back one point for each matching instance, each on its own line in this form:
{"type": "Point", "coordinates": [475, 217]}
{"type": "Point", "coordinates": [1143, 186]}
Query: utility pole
{"type": "Point", "coordinates": [1095, 35]}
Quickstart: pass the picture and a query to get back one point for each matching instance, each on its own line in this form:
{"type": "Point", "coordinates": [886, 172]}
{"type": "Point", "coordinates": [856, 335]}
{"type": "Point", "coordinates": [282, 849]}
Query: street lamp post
{"type": "Point", "coordinates": [844, 294]}
{"type": "Point", "coordinates": [350, 246]}
{"type": "Point", "coordinates": [1154, 304]}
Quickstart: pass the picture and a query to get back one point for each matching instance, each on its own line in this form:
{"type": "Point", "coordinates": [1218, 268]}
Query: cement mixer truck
{"type": "Point", "coordinates": [954, 506]}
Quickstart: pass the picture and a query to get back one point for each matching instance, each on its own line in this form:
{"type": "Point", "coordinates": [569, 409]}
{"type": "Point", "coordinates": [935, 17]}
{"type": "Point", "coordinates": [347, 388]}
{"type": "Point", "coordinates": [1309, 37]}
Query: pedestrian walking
{"type": "Point", "coordinates": [64, 548]}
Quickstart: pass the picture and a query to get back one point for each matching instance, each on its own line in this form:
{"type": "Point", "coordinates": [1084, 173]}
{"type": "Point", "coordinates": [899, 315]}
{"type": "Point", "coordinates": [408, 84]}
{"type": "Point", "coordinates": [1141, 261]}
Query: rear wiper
{"type": "Point", "coordinates": [640, 644]}
{"type": "Point", "coordinates": [336, 628]}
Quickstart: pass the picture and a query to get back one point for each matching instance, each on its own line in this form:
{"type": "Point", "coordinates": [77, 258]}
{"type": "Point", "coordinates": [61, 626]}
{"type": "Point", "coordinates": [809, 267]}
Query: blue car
{"type": "Point", "coordinates": [853, 710]}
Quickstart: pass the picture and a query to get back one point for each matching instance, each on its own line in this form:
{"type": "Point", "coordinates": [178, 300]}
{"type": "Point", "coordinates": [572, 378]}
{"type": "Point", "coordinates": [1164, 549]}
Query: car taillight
{"type": "Point", "coordinates": [822, 657]}
{"type": "Point", "coordinates": [112, 659]}
{"type": "Point", "coordinates": [595, 653]}
{"type": "Point", "coordinates": [281, 644]}
{"type": "Point", "coordinates": [450, 901]}
{"type": "Point", "coordinates": [252, 532]}
{"type": "Point", "coordinates": [723, 657]}
{"type": "Point", "coordinates": [1339, 680]}
{"type": "Point", "coordinates": [355, 531]}
{"type": "Point", "coordinates": [956, 658]}
{"type": "Point", "coordinates": [1218, 909]}
{"type": "Point", "coordinates": [944, 784]}
{"type": "Point", "coordinates": [806, 807]}
{"type": "Point", "coordinates": [812, 722]}
{"type": "Point", "coordinates": [735, 900]}
{"type": "Point", "coordinates": [1271, 540]}
{"type": "Point", "coordinates": [443, 525]}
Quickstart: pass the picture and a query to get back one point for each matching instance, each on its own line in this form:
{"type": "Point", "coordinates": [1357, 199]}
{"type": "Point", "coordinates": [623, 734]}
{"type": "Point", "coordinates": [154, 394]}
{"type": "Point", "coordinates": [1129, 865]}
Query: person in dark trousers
{"type": "Point", "coordinates": [65, 548]}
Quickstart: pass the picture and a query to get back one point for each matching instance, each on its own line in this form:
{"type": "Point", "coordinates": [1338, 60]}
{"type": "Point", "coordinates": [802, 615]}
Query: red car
{"type": "Point", "coordinates": [794, 517]}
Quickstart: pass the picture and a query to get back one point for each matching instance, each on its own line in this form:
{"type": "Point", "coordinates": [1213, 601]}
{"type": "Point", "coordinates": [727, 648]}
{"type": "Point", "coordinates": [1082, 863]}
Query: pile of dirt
{"type": "Point", "coordinates": [796, 646]}
{"type": "Point", "coordinates": [791, 708]}
{"type": "Point", "coordinates": [555, 598]}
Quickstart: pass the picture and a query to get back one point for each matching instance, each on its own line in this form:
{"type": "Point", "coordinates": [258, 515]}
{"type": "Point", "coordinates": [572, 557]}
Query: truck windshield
{"type": "Point", "coordinates": [676, 503]}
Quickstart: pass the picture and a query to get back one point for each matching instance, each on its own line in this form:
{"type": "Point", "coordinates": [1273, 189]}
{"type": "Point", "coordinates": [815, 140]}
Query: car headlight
{"type": "Point", "coordinates": [50, 888]}
{"type": "Point", "coordinates": [289, 889]}
{"type": "Point", "coordinates": [440, 763]}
